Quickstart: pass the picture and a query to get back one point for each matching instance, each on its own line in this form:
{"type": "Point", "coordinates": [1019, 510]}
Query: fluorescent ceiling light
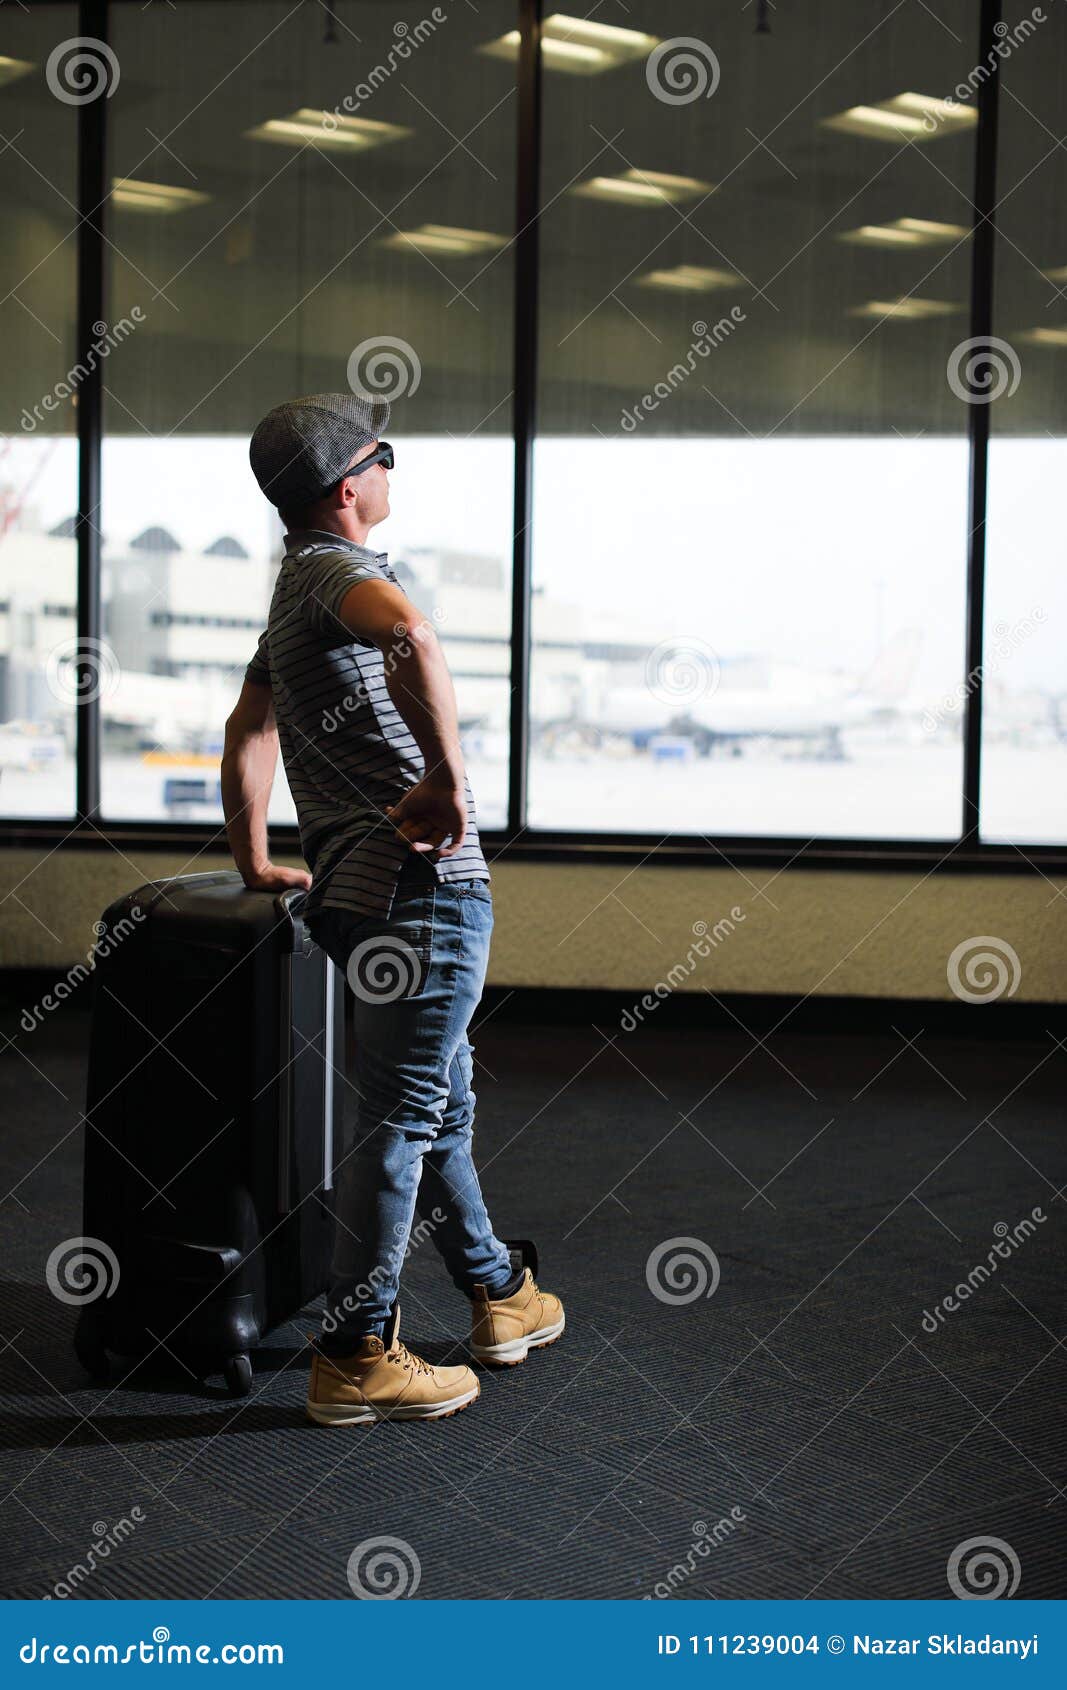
{"type": "Point", "coordinates": [1057, 275]}
{"type": "Point", "coordinates": [910, 310]}
{"type": "Point", "coordinates": [905, 232]}
{"type": "Point", "coordinates": [902, 119]}
{"type": "Point", "coordinates": [309, 126]}
{"type": "Point", "coordinates": [445, 241]}
{"type": "Point", "coordinates": [1044, 337]}
{"type": "Point", "coordinates": [131, 195]}
{"type": "Point", "coordinates": [689, 278]}
{"type": "Point", "coordinates": [643, 187]}
{"type": "Point", "coordinates": [578, 45]}
{"type": "Point", "coordinates": [951, 113]}
{"type": "Point", "coordinates": [12, 69]}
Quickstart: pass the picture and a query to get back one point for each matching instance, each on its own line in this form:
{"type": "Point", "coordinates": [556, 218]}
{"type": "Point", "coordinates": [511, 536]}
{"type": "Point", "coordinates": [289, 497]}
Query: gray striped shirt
{"type": "Point", "coordinates": [347, 751]}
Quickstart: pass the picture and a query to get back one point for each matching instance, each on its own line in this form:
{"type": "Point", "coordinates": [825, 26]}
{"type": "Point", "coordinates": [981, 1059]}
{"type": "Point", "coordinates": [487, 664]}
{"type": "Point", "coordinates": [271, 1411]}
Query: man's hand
{"type": "Point", "coordinates": [429, 812]}
{"type": "Point", "coordinates": [272, 878]}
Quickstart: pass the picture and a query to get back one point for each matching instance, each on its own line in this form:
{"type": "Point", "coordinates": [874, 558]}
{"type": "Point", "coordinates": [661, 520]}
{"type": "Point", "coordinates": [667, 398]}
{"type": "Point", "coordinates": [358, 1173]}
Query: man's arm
{"type": "Point", "coordinates": [420, 687]}
{"type": "Point", "coordinates": [249, 758]}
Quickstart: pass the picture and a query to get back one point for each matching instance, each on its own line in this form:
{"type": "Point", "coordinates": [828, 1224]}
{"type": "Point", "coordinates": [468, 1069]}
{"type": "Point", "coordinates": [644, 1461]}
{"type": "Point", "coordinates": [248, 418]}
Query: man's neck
{"type": "Point", "coordinates": [357, 532]}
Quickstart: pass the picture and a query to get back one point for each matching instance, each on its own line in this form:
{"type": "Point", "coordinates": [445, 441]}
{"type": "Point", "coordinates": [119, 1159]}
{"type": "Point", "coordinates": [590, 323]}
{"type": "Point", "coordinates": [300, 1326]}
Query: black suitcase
{"type": "Point", "coordinates": [213, 1123]}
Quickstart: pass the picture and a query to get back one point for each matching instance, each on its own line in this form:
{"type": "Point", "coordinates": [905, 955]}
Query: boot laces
{"type": "Point", "coordinates": [403, 1357]}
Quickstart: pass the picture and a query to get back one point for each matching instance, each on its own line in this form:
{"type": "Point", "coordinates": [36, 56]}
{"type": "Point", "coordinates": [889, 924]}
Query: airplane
{"type": "Point", "coordinates": [792, 704]}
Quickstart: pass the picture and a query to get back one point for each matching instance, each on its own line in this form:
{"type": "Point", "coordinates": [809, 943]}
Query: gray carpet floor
{"type": "Point", "coordinates": [798, 1433]}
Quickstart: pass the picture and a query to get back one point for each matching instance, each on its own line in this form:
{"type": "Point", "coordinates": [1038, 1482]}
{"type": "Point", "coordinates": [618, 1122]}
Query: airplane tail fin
{"type": "Point", "coordinates": [890, 675]}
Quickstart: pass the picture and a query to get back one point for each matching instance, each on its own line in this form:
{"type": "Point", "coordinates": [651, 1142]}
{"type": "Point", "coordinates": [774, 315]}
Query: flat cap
{"type": "Point", "coordinates": [304, 446]}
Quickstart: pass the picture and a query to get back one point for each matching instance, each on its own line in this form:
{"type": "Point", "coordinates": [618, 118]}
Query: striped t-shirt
{"type": "Point", "coordinates": [347, 751]}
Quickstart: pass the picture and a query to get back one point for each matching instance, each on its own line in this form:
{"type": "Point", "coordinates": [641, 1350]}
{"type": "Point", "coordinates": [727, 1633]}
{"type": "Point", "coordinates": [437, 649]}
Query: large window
{"type": "Point", "coordinates": [1024, 691]}
{"type": "Point", "coordinates": [38, 451]}
{"type": "Point", "coordinates": [297, 207]}
{"type": "Point", "coordinates": [743, 538]}
{"type": "Point", "coordinates": [752, 472]}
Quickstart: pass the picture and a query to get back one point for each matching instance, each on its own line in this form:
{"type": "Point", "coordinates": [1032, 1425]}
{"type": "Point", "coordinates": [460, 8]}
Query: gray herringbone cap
{"type": "Point", "coordinates": [302, 447]}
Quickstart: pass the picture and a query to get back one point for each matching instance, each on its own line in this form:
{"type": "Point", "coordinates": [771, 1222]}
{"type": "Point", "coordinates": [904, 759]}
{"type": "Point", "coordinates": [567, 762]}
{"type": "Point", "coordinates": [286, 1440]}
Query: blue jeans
{"type": "Point", "coordinates": [416, 978]}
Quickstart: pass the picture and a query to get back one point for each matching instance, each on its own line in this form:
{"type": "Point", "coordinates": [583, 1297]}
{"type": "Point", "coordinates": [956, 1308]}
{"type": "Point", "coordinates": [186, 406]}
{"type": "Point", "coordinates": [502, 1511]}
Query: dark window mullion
{"type": "Point", "coordinates": [92, 193]}
{"type": "Point", "coordinates": [982, 260]}
{"type": "Point", "coordinates": [527, 283]}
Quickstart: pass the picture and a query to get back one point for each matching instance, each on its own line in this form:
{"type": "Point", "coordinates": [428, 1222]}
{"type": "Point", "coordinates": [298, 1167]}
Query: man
{"type": "Point", "coordinates": [350, 680]}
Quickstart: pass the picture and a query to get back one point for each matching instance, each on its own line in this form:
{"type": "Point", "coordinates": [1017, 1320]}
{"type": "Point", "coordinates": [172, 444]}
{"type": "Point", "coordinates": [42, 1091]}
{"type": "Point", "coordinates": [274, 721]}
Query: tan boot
{"type": "Point", "coordinates": [383, 1380]}
{"type": "Point", "coordinates": [507, 1328]}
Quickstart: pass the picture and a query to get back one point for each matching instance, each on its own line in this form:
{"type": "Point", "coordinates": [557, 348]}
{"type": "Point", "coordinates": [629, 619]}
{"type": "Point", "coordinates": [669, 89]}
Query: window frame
{"type": "Point", "coordinates": [966, 853]}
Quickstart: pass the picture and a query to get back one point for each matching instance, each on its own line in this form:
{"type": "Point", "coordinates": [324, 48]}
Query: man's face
{"type": "Point", "coordinates": [371, 489]}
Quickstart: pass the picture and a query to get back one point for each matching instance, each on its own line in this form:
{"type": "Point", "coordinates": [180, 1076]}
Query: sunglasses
{"type": "Point", "coordinates": [383, 456]}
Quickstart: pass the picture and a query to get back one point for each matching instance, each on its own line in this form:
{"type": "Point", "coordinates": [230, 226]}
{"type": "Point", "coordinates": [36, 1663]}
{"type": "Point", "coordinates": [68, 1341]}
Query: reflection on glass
{"type": "Point", "coordinates": [313, 225]}
{"type": "Point", "coordinates": [1024, 692]}
{"type": "Point", "coordinates": [751, 481]}
{"type": "Point", "coordinates": [38, 455]}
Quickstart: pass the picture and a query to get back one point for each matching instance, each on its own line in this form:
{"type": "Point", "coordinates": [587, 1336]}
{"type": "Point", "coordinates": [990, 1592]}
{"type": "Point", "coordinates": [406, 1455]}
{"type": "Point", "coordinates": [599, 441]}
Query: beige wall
{"type": "Point", "coordinates": [795, 931]}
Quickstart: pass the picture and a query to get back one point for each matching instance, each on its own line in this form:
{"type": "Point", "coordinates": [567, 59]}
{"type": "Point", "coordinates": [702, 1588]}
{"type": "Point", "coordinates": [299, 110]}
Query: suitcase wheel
{"type": "Point", "coordinates": [238, 1375]}
{"type": "Point", "coordinates": [93, 1356]}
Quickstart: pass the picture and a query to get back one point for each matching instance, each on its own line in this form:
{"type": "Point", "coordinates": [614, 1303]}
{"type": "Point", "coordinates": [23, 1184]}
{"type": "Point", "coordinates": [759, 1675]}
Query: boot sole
{"type": "Point", "coordinates": [337, 1414]}
{"type": "Point", "coordinates": [517, 1349]}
